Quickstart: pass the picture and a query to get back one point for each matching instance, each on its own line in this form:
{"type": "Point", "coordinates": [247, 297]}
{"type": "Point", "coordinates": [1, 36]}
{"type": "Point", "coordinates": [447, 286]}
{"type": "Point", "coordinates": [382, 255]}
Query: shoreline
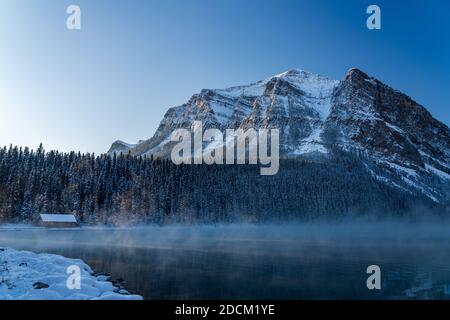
{"type": "Point", "coordinates": [25, 275]}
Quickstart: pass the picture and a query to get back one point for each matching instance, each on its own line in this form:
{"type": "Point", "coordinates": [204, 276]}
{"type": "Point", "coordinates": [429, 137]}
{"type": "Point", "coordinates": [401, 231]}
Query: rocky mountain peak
{"type": "Point", "coordinates": [355, 73]}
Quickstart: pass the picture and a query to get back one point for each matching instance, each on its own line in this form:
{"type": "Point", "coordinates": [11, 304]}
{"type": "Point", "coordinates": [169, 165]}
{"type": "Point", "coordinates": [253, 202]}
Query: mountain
{"type": "Point", "coordinates": [120, 147]}
{"type": "Point", "coordinates": [403, 145]}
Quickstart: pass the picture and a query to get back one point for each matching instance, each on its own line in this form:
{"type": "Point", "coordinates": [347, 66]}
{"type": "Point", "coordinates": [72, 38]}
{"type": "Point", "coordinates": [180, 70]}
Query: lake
{"type": "Point", "coordinates": [311, 261]}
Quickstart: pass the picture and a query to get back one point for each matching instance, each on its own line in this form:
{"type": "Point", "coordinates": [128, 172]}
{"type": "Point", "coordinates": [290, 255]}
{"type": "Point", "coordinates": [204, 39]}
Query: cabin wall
{"type": "Point", "coordinates": [58, 224]}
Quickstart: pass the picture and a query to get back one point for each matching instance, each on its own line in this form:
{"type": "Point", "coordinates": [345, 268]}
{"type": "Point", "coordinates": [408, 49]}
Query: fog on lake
{"type": "Point", "coordinates": [300, 261]}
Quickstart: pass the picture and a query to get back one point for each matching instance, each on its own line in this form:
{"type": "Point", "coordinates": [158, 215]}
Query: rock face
{"type": "Point", "coordinates": [387, 123]}
{"type": "Point", "coordinates": [314, 113]}
{"type": "Point", "coordinates": [120, 147]}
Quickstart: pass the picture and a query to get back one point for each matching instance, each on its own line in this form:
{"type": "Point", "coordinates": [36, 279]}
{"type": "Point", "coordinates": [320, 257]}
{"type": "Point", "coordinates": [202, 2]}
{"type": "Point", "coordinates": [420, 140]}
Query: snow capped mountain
{"type": "Point", "coordinates": [404, 144]}
{"type": "Point", "coordinates": [396, 132]}
{"type": "Point", "coordinates": [296, 102]}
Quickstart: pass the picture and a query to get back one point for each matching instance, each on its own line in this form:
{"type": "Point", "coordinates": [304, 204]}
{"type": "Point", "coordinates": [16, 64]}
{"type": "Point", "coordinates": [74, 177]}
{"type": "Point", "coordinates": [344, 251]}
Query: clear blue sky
{"type": "Point", "coordinates": [132, 60]}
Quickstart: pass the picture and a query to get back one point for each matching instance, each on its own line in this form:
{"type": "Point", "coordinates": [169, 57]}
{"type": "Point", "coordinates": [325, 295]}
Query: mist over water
{"type": "Point", "coordinates": [298, 261]}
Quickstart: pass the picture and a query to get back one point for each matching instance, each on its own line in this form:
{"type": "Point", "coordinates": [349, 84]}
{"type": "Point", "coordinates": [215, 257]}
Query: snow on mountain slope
{"type": "Point", "coordinates": [296, 102]}
{"type": "Point", "coordinates": [400, 135]}
{"type": "Point", "coordinates": [313, 113]}
{"type": "Point", "coordinates": [29, 276]}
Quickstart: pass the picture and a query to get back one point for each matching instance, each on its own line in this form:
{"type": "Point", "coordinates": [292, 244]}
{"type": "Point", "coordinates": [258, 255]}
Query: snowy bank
{"type": "Point", "coordinates": [29, 276]}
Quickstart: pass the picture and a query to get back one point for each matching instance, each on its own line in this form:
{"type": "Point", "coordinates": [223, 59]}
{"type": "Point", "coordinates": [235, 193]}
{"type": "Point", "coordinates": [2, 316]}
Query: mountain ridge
{"type": "Point", "coordinates": [315, 113]}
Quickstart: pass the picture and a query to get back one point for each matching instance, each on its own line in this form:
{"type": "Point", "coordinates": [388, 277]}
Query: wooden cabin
{"type": "Point", "coordinates": [58, 221]}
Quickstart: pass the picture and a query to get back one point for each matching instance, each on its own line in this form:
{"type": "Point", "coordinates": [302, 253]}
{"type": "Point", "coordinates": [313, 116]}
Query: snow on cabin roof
{"type": "Point", "coordinates": [58, 218]}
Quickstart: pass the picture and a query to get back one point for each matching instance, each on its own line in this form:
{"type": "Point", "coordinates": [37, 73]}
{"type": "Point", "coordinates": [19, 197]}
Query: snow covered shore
{"type": "Point", "coordinates": [29, 276]}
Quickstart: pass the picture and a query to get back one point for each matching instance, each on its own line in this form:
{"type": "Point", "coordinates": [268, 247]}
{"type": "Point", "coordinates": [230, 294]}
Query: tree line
{"type": "Point", "coordinates": [123, 189]}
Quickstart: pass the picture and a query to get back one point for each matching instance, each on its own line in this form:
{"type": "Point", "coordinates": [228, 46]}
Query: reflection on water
{"type": "Point", "coordinates": [258, 262]}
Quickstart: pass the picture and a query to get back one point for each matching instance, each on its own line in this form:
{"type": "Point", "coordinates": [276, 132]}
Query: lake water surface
{"type": "Point", "coordinates": [320, 261]}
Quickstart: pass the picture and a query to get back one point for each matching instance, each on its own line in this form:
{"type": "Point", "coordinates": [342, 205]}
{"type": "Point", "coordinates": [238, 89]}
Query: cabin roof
{"type": "Point", "coordinates": [58, 218]}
